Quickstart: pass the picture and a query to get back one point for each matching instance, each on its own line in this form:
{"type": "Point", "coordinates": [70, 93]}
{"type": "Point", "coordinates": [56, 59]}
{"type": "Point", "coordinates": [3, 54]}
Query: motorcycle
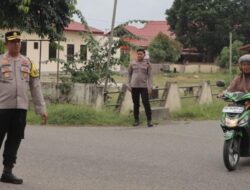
{"type": "Point", "coordinates": [235, 125]}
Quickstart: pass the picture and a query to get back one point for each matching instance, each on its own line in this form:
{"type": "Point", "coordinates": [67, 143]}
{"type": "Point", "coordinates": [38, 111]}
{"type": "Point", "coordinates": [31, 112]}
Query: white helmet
{"type": "Point", "coordinates": [244, 58]}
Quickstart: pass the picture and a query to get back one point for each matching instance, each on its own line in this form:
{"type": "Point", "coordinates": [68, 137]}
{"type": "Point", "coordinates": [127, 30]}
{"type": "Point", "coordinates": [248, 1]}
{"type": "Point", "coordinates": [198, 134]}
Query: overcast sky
{"type": "Point", "coordinates": [98, 13]}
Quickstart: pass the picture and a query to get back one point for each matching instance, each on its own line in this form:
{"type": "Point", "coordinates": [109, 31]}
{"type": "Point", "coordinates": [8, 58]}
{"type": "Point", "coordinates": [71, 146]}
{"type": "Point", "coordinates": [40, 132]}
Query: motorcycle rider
{"type": "Point", "coordinates": [241, 83]}
{"type": "Point", "coordinates": [235, 121]}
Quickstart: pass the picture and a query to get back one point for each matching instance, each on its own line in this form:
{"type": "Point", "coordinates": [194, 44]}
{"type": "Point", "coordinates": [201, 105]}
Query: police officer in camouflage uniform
{"type": "Point", "coordinates": [18, 76]}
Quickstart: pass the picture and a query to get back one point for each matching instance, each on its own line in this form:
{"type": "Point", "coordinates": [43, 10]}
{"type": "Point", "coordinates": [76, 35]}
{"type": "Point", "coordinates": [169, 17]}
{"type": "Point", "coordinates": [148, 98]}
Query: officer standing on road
{"type": "Point", "coordinates": [17, 76]}
{"type": "Point", "coordinates": [140, 84]}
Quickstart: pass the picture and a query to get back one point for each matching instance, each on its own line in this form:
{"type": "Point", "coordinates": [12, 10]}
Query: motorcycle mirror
{"type": "Point", "coordinates": [220, 83]}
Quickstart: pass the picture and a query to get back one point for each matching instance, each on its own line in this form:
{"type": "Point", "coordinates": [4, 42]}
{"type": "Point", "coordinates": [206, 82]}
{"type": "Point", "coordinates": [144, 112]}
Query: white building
{"type": "Point", "coordinates": [39, 50]}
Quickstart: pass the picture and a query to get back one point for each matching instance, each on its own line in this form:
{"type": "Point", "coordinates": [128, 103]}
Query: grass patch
{"type": "Point", "coordinates": [200, 112]}
{"type": "Point", "coordinates": [65, 114]}
{"type": "Point", "coordinates": [182, 78]}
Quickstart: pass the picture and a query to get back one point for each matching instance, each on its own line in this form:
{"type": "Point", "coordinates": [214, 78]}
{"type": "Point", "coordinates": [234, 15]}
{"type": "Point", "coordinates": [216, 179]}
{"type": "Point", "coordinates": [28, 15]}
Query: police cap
{"type": "Point", "coordinates": [12, 35]}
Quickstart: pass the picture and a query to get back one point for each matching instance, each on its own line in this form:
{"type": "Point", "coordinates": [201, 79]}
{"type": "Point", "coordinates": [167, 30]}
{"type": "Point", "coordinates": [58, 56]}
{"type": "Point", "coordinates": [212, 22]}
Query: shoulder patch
{"type": "Point", "coordinates": [34, 72]}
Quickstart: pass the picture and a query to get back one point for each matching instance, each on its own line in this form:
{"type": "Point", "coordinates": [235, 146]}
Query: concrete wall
{"type": "Point", "coordinates": [79, 93]}
{"type": "Point", "coordinates": [195, 68]}
{"type": "Point", "coordinates": [189, 68]}
{"type": "Point", "coordinates": [180, 68]}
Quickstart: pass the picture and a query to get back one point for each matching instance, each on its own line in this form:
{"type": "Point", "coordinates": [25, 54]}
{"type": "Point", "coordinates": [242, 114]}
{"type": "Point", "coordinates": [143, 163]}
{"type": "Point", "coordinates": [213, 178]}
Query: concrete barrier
{"type": "Point", "coordinates": [205, 95]}
{"type": "Point", "coordinates": [125, 101]}
{"type": "Point", "coordinates": [126, 106]}
{"type": "Point", "coordinates": [173, 101]}
{"type": "Point", "coordinates": [160, 113]}
{"type": "Point", "coordinates": [100, 98]}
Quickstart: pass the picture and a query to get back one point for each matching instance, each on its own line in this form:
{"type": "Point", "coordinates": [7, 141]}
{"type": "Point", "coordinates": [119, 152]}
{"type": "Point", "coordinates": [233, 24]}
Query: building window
{"type": "Point", "coordinates": [52, 51]}
{"type": "Point", "coordinates": [35, 45]}
{"type": "Point", "coordinates": [83, 52]}
{"type": "Point", "coordinates": [70, 52]}
{"type": "Point", "coordinates": [24, 48]}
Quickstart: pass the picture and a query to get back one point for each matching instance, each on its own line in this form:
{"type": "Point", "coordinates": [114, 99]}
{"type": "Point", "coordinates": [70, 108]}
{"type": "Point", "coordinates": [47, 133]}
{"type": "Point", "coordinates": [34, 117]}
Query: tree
{"type": "Point", "coordinates": [43, 17]}
{"type": "Point", "coordinates": [164, 49]}
{"type": "Point", "coordinates": [94, 69]}
{"type": "Point", "coordinates": [2, 47]}
{"type": "Point", "coordinates": [223, 58]}
{"type": "Point", "coordinates": [206, 24]}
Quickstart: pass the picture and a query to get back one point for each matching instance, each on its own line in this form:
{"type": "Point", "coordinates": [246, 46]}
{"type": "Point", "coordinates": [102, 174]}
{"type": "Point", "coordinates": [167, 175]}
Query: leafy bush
{"type": "Point", "coordinates": [164, 49]}
{"type": "Point", "coordinates": [125, 59]}
{"type": "Point", "coordinates": [2, 47]}
{"type": "Point", "coordinates": [223, 58]}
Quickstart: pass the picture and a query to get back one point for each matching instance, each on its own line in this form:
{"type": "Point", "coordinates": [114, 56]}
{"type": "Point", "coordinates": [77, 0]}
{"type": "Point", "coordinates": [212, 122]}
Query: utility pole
{"type": "Point", "coordinates": [110, 44]}
{"type": "Point", "coordinates": [40, 59]}
{"type": "Point", "coordinates": [230, 53]}
{"type": "Point", "coordinates": [58, 63]}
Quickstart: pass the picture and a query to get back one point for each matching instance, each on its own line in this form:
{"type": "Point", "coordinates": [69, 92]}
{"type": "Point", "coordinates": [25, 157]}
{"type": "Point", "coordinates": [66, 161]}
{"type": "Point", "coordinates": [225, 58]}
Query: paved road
{"type": "Point", "coordinates": [178, 156]}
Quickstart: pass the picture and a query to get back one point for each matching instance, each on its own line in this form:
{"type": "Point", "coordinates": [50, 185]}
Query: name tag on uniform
{"type": "Point", "coordinates": [6, 70]}
{"type": "Point", "coordinates": [25, 71]}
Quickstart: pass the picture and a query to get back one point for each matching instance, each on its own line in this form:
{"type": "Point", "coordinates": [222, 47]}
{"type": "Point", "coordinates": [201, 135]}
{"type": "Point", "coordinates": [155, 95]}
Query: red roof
{"type": "Point", "coordinates": [79, 27]}
{"type": "Point", "coordinates": [149, 32]}
{"type": "Point", "coordinates": [245, 47]}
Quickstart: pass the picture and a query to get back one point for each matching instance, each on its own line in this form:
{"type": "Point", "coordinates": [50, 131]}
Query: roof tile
{"type": "Point", "coordinates": [149, 32]}
{"type": "Point", "coordinates": [79, 27]}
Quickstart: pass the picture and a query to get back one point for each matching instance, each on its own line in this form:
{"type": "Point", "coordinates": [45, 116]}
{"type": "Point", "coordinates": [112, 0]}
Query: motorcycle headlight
{"type": "Point", "coordinates": [231, 122]}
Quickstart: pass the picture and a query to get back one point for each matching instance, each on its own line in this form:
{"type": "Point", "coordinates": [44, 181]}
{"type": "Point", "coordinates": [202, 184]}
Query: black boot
{"type": "Point", "coordinates": [9, 177]}
{"type": "Point", "coordinates": [150, 124]}
{"type": "Point", "coordinates": [136, 123]}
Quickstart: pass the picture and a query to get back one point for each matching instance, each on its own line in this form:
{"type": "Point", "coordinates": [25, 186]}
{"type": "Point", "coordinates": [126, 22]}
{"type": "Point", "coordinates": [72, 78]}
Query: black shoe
{"type": "Point", "coordinates": [136, 123]}
{"type": "Point", "coordinates": [10, 178]}
{"type": "Point", "coordinates": [150, 124]}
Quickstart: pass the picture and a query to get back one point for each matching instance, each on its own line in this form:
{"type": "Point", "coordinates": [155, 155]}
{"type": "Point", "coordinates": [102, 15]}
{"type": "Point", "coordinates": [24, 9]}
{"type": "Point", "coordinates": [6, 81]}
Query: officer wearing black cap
{"type": "Point", "coordinates": [17, 76]}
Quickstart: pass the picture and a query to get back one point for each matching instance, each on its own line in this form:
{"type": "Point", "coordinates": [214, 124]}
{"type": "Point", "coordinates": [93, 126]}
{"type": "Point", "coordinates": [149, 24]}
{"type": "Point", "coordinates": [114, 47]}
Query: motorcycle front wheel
{"type": "Point", "coordinates": [231, 153]}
